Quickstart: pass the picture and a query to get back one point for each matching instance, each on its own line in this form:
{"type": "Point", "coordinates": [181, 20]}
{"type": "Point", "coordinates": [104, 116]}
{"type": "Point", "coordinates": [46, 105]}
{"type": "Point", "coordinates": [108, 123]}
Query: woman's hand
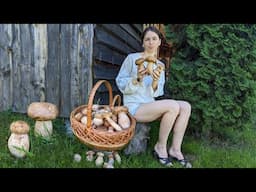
{"type": "Point", "coordinates": [141, 73]}
{"type": "Point", "coordinates": [156, 75]}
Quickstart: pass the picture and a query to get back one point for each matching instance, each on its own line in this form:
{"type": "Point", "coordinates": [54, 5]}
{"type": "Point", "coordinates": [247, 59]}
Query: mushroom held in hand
{"type": "Point", "coordinates": [18, 142]}
{"type": "Point", "coordinates": [43, 113]}
{"type": "Point", "coordinates": [158, 71]}
{"type": "Point", "coordinates": [139, 62]}
{"type": "Point", "coordinates": [151, 60]}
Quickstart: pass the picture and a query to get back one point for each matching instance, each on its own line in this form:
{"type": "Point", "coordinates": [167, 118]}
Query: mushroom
{"type": "Point", "coordinates": [78, 116]}
{"type": "Point", "coordinates": [43, 113]}
{"type": "Point", "coordinates": [151, 60]}
{"type": "Point", "coordinates": [117, 157]}
{"type": "Point", "coordinates": [18, 142]}
{"type": "Point", "coordinates": [112, 123]}
{"type": "Point", "coordinates": [99, 161]}
{"type": "Point", "coordinates": [89, 155]}
{"type": "Point", "coordinates": [110, 163]}
{"type": "Point", "coordinates": [95, 107]}
{"type": "Point", "coordinates": [84, 111]}
{"type": "Point", "coordinates": [158, 70]}
{"type": "Point", "coordinates": [123, 119]}
{"type": "Point", "coordinates": [98, 119]}
{"type": "Point", "coordinates": [139, 62]}
{"type": "Point", "coordinates": [84, 120]}
{"type": "Point", "coordinates": [107, 165]}
{"type": "Point", "coordinates": [111, 159]}
{"type": "Point", "coordinates": [110, 129]}
{"type": "Point", "coordinates": [77, 157]}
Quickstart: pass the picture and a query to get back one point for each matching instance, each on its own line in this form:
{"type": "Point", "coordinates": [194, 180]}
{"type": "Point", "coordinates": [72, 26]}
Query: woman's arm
{"type": "Point", "coordinates": [125, 80]}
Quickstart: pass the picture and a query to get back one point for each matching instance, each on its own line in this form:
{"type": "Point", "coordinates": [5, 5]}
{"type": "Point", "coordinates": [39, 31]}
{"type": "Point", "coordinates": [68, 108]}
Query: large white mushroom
{"type": "Point", "coordinates": [43, 113]}
{"type": "Point", "coordinates": [18, 142]}
{"type": "Point", "coordinates": [123, 119]}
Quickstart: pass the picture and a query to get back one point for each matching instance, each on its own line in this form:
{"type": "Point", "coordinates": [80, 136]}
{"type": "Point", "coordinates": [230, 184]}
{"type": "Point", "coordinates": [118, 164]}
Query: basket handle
{"type": "Point", "coordinates": [91, 97]}
{"type": "Point", "coordinates": [116, 97]}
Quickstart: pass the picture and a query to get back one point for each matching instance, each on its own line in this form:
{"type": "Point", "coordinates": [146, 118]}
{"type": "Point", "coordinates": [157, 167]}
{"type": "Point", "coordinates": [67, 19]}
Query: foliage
{"type": "Point", "coordinates": [214, 68]}
{"type": "Point", "coordinates": [59, 150]}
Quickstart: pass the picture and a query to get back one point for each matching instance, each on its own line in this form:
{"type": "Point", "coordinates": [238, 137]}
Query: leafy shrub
{"type": "Point", "coordinates": [214, 68]}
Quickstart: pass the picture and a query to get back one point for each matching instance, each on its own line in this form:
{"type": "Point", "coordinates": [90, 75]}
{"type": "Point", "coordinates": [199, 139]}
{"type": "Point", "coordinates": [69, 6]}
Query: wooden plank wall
{"type": "Point", "coordinates": [112, 43]}
{"type": "Point", "coordinates": [45, 62]}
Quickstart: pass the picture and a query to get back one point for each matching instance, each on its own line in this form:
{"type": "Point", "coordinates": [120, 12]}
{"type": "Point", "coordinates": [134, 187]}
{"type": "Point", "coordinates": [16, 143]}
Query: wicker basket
{"type": "Point", "coordinates": [96, 139]}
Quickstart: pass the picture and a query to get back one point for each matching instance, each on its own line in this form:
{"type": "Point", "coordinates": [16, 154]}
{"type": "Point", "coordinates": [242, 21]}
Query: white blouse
{"type": "Point", "coordinates": [134, 95]}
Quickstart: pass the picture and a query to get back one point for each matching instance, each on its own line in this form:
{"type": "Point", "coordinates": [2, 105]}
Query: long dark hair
{"type": "Point", "coordinates": [153, 29]}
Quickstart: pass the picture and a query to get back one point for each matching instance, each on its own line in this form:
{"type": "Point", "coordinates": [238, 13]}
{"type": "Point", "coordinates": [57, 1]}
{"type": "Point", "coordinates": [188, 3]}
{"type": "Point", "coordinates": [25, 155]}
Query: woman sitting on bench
{"type": "Point", "coordinates": [141, 78]}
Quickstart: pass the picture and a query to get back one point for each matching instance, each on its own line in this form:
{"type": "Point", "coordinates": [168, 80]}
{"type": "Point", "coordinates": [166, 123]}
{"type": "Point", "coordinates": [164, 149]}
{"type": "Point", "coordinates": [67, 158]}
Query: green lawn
{"type": "Point", "coordinates": [58, 152]}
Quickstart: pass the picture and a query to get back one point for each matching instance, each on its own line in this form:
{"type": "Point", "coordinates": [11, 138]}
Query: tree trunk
{"type": "Point", "coordinates": [138, 143]}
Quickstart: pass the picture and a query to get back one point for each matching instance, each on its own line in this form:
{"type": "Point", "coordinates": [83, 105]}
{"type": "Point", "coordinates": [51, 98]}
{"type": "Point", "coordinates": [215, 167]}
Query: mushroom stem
{"type": "Point", "coordinates": [139, 62]}
{"type": "Point", "coordinates": [107, 116]}
{"type": "Point", "coordinates": [89, 155]}
{"type": "Point", "coordinates": [151, 60]}
{"type": "Point", "coordinates": [117, 157]}
{"type": "Point", "coordinates": [43, 128]}
{"type": "Point", "coordinates": [159, 69]}
{"type": "Point", "coordinates": [99, 160]}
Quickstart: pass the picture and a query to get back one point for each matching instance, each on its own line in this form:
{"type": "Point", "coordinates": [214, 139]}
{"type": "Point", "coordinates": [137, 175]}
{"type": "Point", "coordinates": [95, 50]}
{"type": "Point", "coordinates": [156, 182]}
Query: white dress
{"type": "Point", "coordinates": [134, 95]}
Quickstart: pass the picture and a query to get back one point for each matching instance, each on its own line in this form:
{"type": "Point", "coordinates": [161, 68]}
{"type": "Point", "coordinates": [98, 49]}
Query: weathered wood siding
{"type": "Point", "coordinates": [112, 43]}
{"type": "Point", "coordinates": [45, 62]}
{"type": "Point", "coordinates": [59, 63]}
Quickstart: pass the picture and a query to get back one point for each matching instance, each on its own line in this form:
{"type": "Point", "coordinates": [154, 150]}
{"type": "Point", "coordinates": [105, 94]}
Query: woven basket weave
{"type": "Point", "coordinates": [97, 139]}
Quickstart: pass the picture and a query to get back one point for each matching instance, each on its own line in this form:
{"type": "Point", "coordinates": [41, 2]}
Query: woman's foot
{"type": "Point", "coordinates": [161, 154]}
{"type": "Point", "coordinates": [163, 160]}
{"type": "Point", "coordinates": [178, 156]}
{"type": "Point", "coordinates": [161, 150]}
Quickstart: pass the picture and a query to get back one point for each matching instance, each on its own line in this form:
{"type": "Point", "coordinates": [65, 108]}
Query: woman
{"type": "Point", "coordinates": [140, 86]}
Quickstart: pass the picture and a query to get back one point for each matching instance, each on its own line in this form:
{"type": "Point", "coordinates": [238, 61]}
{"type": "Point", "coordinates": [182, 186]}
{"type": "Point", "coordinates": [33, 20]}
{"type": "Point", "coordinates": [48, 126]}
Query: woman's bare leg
{"type": "Point", "coordinates": [179, 129]}
{"type": "Point", "coordinates": [167, 109]}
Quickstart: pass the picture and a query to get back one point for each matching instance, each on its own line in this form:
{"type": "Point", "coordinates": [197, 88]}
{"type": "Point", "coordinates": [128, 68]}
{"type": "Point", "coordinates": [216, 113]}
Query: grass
{"type": "Point", "coordinates": [59, 150]}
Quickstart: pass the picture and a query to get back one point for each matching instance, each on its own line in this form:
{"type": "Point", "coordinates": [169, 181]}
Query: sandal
{"type": "Point", "coordinates": [163, 160]}
{"type": "Point", "coordinates": [184, 162]}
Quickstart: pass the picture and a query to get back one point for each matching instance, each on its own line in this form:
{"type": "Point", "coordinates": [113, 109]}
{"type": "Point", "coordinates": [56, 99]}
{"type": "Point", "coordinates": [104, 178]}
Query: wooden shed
{"type": "Point", "coordinates": [59, 63]}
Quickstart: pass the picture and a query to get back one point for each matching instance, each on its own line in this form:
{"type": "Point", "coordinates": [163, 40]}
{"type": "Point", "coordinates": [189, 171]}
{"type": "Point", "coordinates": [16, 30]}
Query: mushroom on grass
{"type": "Point", "coordinates": [18, 142]}
{"type": "Point", "coordinates": [99, 160]}
{"type": "Point", "coordinates": [89, 155]}
{"type": "Point", "coordinates": [43, 113]}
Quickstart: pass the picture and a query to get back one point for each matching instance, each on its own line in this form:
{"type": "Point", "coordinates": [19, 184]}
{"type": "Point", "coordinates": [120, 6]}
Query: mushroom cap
{"type": "Point", "coordinates": [151, 59]}
{"type": "Point", "coordinates": [139, 61]}
{"type": "Point", "coordinates": [118, 109]}
{"type": "Point", "coordinates": [19, 127]}
{"type": "Point", "coordinates": [42, 111]}
{"type": "Point", "coordinates": [103, 115]}
{"type": "Point", "coordinates": [160, 67]}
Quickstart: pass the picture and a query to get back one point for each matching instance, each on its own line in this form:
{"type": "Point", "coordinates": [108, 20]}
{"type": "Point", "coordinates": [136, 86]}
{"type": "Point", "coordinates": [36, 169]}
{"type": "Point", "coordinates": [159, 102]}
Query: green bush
{"type": "Point", "coordinates": [214, 68]}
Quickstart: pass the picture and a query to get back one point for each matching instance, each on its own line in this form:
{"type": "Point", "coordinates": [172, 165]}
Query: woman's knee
{"type": "Point", "coordinates": [173, 106]}
{"type": "Point", "coordinates": [185, 107]}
